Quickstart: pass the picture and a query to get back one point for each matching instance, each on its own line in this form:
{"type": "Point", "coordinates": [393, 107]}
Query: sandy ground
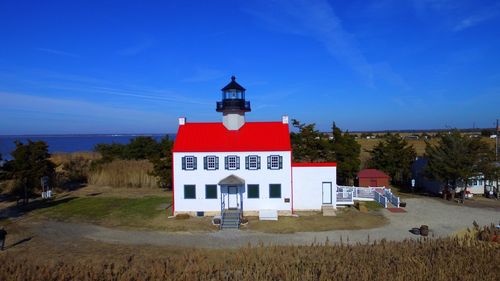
{"type": "Point", "coordinates": [442, 219]}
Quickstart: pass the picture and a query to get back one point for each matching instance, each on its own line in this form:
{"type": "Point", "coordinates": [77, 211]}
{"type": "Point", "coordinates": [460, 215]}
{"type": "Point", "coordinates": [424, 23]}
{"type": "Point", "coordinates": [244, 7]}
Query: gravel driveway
{"type": "Point", "coordinates": [442, 219]}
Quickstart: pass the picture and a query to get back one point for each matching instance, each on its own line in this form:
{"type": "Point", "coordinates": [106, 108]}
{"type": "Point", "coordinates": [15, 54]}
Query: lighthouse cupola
{"type": "Point", "coordinates": [233, 105]}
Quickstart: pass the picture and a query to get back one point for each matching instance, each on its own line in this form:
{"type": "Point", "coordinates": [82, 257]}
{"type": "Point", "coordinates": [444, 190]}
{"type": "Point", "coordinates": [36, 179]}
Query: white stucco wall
{"type": "Point", "coordinates": [308, 186]}
{"type": "Point", "coordinates": [201, 177]}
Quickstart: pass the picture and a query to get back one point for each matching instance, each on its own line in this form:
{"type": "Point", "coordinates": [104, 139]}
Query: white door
{"type": "Point", "coordinates": [232, 198]}
{"type": "Point", "coordinates": [327, 193]}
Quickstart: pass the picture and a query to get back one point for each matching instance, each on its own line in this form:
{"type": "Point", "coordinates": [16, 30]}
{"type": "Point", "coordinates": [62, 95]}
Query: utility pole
{"type": "Point", "coordinates": [496, 157]}
{"type": "Point", "coordinates": [496, 142]}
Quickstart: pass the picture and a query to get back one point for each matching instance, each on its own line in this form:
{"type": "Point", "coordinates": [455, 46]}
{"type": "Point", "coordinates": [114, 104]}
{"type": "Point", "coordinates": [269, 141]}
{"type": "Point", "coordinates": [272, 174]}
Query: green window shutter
{"type": "Point", "coordinates": [247, 160]}
{"type": "Point", "coordinates": [189, 191]}
{"type": "Point", "coordinates": [275, 191]}
{"type": "Point", "coordinates": [226, 162]}
{"type": "Point", "coordinates": [258, 162]}
{"type": "Point", "coordinates": [194, 163]}
{"type": "Point", "coordinates": [237, 162]}
{"type": "Point", "coordinates": [184, 163]}
{"type": "Point", "coordinates": [211, 191]}
{"type": "Point", "coordinates": [281, 162]}
{"type": "Point", "coordinates": [205, 164]}
{"type": "Point", "coordinates": [269, 162]}
{"type": "Point", "coordinates": [216, 163]}
{"type": "Point", "coordinates": [253, 191]}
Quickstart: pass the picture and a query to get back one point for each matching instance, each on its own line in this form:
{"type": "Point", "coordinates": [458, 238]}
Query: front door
{"type": "Point", "coordinates": [327, 193]}
{"type": "Point", "coordinates": [232, 198]}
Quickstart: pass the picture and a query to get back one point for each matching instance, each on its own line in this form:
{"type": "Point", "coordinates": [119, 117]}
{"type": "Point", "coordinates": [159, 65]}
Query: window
{"type": "Point", "coordinates": [275, 191]}
{"type": "Point", "coordinates": [211, 191]}
{"type": "Point", "coordinates": [232, 162]}
{"type": "Point", "coordinates": [189, 163]}
{"type": "Point", "coordinates": [275, 162]}
{"type": "Point", "coordinates": [189, 191]}
{"type": "Point", "coordinates": [253, 191]}
{"type": "Point", "coordinates": [252, 162]}
{"type": "Point", "coordinates": [211, 163]}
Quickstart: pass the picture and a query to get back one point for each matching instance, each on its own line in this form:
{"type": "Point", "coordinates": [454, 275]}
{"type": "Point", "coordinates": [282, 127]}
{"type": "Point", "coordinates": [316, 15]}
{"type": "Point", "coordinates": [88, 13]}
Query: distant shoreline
{"type": "Point", "coordinates": [69, 143]}
{"type": "Point", "coordinates": [85, 135]}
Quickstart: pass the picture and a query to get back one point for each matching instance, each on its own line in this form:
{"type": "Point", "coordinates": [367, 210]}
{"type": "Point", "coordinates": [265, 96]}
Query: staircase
{"type": "Point", "coordinates": [230, 219]}
{"type": "Point", "coordinates": [328, 210]}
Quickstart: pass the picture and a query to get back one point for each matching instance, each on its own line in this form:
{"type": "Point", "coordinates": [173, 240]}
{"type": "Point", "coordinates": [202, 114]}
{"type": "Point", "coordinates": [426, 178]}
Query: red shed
{"type": "Point", "coordinates": [372, 177]}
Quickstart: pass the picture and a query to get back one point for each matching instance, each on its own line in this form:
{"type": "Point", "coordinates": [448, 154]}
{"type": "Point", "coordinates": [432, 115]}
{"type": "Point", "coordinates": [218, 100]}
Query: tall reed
{"type": "Point", "coordinates": [124, 173]}
{"type": "Point", "coordinates": [61, 157]}
{"type": "Point", "coordinates": [439, 259]}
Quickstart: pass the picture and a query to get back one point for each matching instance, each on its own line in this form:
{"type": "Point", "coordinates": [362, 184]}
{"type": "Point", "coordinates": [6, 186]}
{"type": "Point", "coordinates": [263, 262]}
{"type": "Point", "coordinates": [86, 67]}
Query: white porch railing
{"type": "Point", "coordinates": [347, 194]}
{"type": "Point", "coordinates": [392, 198]}
{"type": "Point", "coordinates": [345, 197]}
{"type": "Point", "coordinates": [381, 199]}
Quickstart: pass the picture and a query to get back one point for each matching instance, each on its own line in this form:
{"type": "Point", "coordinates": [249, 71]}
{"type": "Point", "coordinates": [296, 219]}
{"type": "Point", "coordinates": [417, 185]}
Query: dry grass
{"type": "Point", "coordinates": [348, 218]}
{"type": "Point", "coordinates": [61, 158]}
{"type": "Point", "coordinates": [440, 259]}
{"type": "Point", "coordinates": [419, 145]}
{"type": "Point", "coordinates": [124, 173]}
{"type": "Point", "coordinates": [369, 144]}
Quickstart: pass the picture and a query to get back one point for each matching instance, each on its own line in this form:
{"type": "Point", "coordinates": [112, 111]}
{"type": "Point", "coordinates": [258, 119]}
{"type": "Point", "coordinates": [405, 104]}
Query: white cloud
{"type": "Point", "coordinates": [202, 74]}
{"type": "Point", "coordinates": [136, 48]}
{"type": "Point", "coordinates": [318, 20]}
{"type": "Point", "coordinates": [474, 20]}
{"type": "Point", "coordinates": [85, 86]}
{"type": "Point", "coordinates": [64, 106]}
{"type": "Point", "coordinates": [58, 52]}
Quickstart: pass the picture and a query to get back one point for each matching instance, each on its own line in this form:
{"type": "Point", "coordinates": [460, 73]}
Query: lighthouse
{"type": "Point", "coordinates": [233, 105]}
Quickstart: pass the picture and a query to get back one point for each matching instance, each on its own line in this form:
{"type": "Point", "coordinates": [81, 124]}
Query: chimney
{"type": "Point", "coordinates": [284, 119]}
{"type": "Point", "coordinates": [182, 121]}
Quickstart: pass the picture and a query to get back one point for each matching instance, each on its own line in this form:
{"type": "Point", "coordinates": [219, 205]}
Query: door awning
{"type": "Point", "coordinates": [232, 180]}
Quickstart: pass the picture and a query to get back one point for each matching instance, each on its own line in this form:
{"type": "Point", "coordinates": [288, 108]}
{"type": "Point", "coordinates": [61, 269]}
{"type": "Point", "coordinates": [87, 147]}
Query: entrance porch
{"type": "Point", "coordinates": [231, 190]}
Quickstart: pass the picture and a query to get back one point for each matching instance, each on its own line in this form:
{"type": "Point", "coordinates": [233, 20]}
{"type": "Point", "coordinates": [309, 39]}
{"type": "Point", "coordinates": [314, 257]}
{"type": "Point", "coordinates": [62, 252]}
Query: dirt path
{"type": "Point", "coordinates": [443, 220]}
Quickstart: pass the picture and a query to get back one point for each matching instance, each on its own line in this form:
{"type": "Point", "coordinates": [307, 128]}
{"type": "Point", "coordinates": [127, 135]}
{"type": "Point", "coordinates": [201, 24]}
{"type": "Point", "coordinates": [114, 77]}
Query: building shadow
{"type": "Point", "coordinates": [17, 211]}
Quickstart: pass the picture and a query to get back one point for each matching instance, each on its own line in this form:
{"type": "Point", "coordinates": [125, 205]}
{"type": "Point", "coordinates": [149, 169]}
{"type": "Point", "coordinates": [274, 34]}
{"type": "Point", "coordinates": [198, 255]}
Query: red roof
{"type": "Point", "coordinates": [214, 137]}
{"type": "Point", "coordinates": [316, 164]}
{"type": "Point", "coordinates": [372, 173]}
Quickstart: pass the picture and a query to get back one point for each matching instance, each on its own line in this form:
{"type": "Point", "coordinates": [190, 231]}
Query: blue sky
{"type": "Point", "coordinates": [135, 66]}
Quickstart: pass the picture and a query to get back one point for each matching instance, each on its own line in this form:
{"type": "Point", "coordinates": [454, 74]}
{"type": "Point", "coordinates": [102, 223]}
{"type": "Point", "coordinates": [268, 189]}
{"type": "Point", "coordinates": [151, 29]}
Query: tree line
{"type": "Point", "coordinates": [454, 159]}
{"type": "Point", "coordinates": [31, 161]}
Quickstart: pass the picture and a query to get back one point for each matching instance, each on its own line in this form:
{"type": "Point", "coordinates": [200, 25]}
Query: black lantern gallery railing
{"type": "Point", "coordinates": [236, 104]}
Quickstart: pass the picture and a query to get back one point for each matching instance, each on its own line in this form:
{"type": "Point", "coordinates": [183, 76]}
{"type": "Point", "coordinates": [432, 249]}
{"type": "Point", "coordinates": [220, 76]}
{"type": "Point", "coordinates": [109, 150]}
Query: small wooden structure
{"type": "Point", "coordinates": [372, 177]}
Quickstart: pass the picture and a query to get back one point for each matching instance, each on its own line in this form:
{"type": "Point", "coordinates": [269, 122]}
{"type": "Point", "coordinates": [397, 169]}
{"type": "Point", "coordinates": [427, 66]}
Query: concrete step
{"type": "Point", "coordinates": [230, 227]}
{"type": "Point", "coordinates": [328, 211]}
{"type": "Point", "coordinates": [231, 217]}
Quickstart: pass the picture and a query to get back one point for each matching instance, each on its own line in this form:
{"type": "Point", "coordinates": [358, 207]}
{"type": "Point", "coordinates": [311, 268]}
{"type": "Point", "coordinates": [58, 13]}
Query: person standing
{"type": "Point", "coordinates": [3, 235]}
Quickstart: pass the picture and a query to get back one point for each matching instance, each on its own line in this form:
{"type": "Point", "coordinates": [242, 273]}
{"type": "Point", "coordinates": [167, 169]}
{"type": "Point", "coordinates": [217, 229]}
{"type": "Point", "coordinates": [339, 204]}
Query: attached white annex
{"type": "Point", "coordinates": [244, 167]}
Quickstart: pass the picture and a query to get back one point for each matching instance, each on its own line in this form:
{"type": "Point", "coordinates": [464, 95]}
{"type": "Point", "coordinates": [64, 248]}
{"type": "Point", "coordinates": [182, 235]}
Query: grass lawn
{"type": "Point", "coordinates": [148, 213]}
{"type": "Point", "coordinates": [372, 205]}
{"type": "Point", "coordinates": [113, 210]}
{"type": "Point", "coordinates": [144, 213]}
{"type": "Point", "coordinates": [128, 209]}
{"type": "Point", "coordinates": [347, 218]}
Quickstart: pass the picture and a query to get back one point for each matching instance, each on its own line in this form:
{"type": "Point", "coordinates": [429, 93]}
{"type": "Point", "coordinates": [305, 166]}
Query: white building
{"type": "Point", "coordinates": [244, 166]}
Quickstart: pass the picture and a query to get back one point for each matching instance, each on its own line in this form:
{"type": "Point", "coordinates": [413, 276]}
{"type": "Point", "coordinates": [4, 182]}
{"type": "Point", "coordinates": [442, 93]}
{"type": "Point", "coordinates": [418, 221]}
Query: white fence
{"type": "Point", "coordinates": [344, 196]}
{"type": "Point", "coordinates": [347, 194]}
